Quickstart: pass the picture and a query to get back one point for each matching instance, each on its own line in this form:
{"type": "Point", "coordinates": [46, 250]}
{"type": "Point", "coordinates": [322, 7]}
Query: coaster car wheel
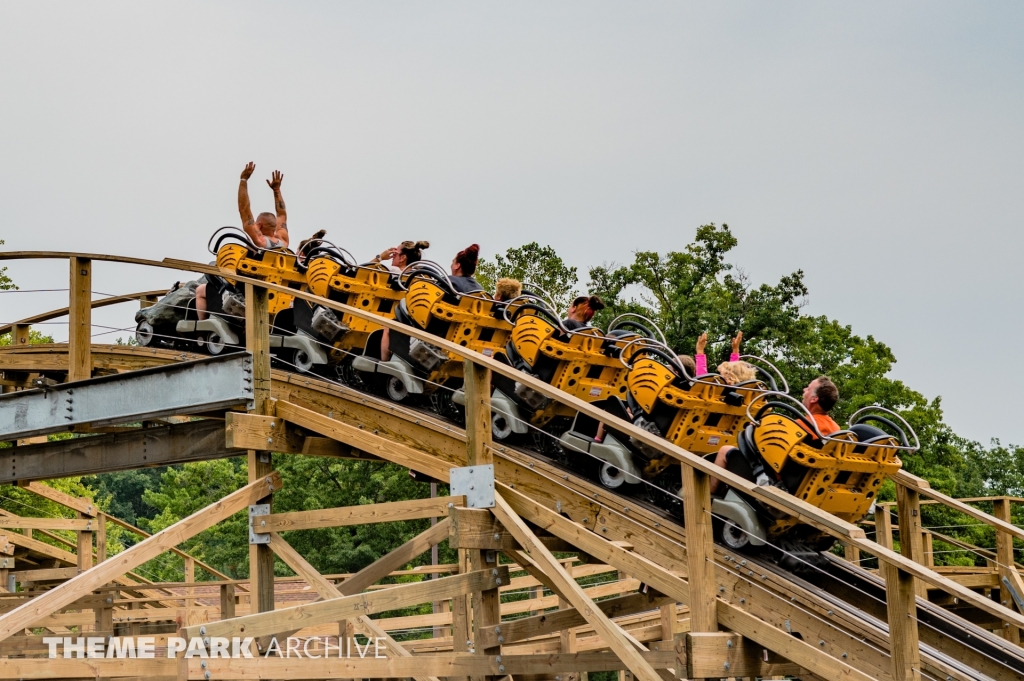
{"type": "Point", "coordinates": [144, 333]}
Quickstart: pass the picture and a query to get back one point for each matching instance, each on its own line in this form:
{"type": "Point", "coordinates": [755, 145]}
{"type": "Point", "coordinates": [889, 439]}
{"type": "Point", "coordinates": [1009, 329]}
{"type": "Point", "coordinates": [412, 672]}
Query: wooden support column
{"type": "Point", "coordinates": [190, 578]}
{"type": "Point", "coordinates": [20, 334]}
{"type": "Point", "coordinates": [901, 588]}
{"type": "Point", "coordinates": [851, 553]}
{"type": "Point", "coordinates": [1006, 568]}
{"type": "Point", "coordinates": [257, 340]}
{"type": "Point", "coordinates": [84, 545]}
{"type": "Point", "coordinates": [485, 605]}
{"type": "Point", "coordinates": [909, 508]}
{"type": "Point", "coordinates": [883, 526]}
{"type": "Point", "coordinates": [227, 601]}
{"type": "Point", "coordinates": [105, 614]}
{"type": "Point", "coordinates": [478, 413]}
{"type": "Point", "coordinates": [101, 537]}
{"type": "Point", "coordinates": [80, 319]}
{"type": "Point", "coordinates": [901, 604]}
{"type": "Point", "coordinates": [700, 550]}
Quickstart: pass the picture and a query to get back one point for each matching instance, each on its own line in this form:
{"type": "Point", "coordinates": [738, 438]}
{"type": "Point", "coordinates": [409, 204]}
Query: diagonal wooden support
{"type": "Point", "coordinates": [327, 590]}
{"type": "Point", "coordinates": [607, 629]}
{"type": "Point", "coordinates": [25, 615]}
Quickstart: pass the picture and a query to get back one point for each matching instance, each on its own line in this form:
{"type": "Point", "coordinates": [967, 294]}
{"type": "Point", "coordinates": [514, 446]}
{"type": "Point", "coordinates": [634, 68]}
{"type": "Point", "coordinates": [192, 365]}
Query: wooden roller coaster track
{"type": "Point", "coordinates": [702, 612]}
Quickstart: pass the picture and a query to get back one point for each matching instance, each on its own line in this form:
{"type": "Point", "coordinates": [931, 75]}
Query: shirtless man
{"type": "Point", "coordinates": [266, 231]}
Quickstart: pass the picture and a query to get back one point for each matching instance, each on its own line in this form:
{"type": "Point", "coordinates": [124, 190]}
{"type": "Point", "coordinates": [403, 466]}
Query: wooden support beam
{"type": "Point", "coordinates": [101, 537]}
{"type": "Point", "coordinates": [86, 507]}
{"type": "Point", "coordinates": [720, 654]}
{"type": "Point", "coordinates": [477, 384]}
{"type": "Point", "coordinates": [80, 319]}
{"type": "Point", "coordinates": [58, 597]}
{"type": "Point", "coordinates": [332, 610]}
{"type": "Point", "coordinates": [413, 509]}
{"type": "Point", "coordinates": [20, 522]}
{"type": "Point", "coordinates": [1006, 566]}
{"type": "Point", "coordinates": [883, 527]}
{"type": "Point", "coordinates": [611, 633]}
{"type": "Point", "coordinates": [20, 334]}
{"type": "Point", "coordinates": [257, 340]}
{"type": "Point", "coordinates": [475, 528]}
{"type": "Point", "coordinates": [700, 550]}
{"type": "Point", "coordinates": [901, 604]}
{"type": "Point", "coordinates": [354, 436]}
{"type": "Point", "coordinates": [254, 431]}
{"type": "Point", "coordinates": [227, 601]}
{"type": "Point", "coordinates": [84, 548]}
{"type": "Point", "coordinates": [395, 559]}
{"type": "Point", "coordinates": [911, 547]}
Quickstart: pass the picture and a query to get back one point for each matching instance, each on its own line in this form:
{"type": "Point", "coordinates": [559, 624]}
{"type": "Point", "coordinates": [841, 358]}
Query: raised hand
{"type": "Point", "coordinates": [275, 180]}
{"type": "Point", "coordinates": [388, 253]}
{"type": "Point", "coordinates": [702, 342]}
{"type": "Point", "coordinates": [736, 342]}
{"type": "Point", "coordinates": [247, 173]}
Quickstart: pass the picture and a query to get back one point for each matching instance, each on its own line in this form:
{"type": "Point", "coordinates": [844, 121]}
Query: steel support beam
{"type": "Point", "coordinates": [182, 388]}
{"type": "Point", "coordinates": [162, 446]}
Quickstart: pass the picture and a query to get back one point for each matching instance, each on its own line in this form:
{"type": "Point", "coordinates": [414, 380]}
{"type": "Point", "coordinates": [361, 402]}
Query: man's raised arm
{"type": "Point", "coordinates": [282, 214]}
{"type": "Point", "coordinates": [244, 210]}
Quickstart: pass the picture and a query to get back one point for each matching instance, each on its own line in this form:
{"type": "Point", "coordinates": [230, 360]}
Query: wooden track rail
{"type": "Point", "coordinates": [743, 618]}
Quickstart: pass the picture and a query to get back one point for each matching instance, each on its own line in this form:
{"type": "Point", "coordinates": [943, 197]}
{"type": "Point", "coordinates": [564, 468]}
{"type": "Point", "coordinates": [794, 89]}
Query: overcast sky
{"type": "Point", "coordinates": [878, 146]}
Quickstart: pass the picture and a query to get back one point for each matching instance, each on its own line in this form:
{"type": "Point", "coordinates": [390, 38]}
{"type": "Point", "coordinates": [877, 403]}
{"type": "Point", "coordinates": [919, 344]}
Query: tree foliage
{"type": "Point", "coordinates": [537, 267]}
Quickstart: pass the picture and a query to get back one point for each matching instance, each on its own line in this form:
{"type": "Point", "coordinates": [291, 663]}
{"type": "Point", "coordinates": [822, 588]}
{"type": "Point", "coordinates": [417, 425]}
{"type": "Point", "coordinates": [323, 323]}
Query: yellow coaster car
{"type": "Point", "coordinates": [590, 365]}
{"type": "Point", "coordinates": [224, 326]}
{"type": "Point", "coordinates": [700, 414]}
{"type": "Point", "coordinates": [840, 473]}
{"type": "Point", "coordinates": [472, 320]}
{"type": "Point", "coordinates": [332, 273]}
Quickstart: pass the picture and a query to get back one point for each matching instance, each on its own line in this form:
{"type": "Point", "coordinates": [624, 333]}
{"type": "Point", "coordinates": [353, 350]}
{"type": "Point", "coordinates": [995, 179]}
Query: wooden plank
{"type": "Point", "coordinates": [883, 527]}
{"type": "Point", "coordinates": [439, 664]}
{"type": "Point", "coordinates": [474, 528]}
{"type": "Point", "coordinates": [42, 548]}
{"type": "Point", "coordinates": [716, 654]}
{"type": "Point", "coordinates": [84, 506]}
{"type": "Point", "coordinates": [259, 432]}
{"type": "Point", "coordinates": [80, 319]}
{"type": "Point", "coordinates": [573, 592]}
{"type": "Point", "coordinates": [700, 550]}
{"type": "Point", "coordinates": [413, 509]}
{"type": "Point", "coordinates": [88, 668]}
{"type": "Point", "coordinates": [45, 574]}
{"type": "Point", "coordinates": [360, 604]}
{"type": "Point", "coordinates": [20, 522]}
{"type": "Point", "coordinates": [22, 616]}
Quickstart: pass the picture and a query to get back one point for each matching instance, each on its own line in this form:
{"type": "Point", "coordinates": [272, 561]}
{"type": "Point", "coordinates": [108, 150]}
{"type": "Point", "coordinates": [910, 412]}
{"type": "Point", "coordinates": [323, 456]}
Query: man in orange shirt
{"type": "Point", "coordinates": [820, 396]}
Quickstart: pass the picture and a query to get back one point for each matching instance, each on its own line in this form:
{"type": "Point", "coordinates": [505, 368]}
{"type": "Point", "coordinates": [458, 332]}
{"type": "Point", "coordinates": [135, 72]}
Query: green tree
{"type": "Point", "coordinates": [534, 265]}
